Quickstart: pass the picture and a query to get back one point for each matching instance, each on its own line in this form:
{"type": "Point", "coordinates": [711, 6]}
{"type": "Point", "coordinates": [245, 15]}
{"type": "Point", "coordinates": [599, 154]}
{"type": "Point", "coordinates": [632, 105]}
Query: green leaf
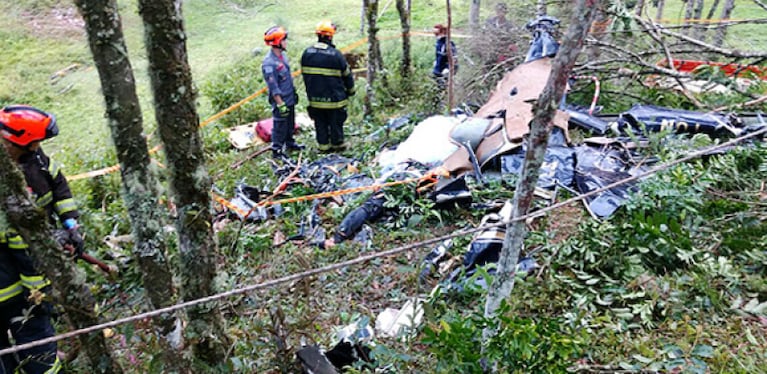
{"type": "Point", "coordinates": [703, 350]}
{"type": "Point", "coordinates": [642, 359]}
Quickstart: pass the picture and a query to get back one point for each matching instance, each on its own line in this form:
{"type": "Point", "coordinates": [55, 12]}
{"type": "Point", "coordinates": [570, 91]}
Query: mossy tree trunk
{"type": "Point", "coordinates": [540, 128]}
{"type": "Point", "coordinates": [140, 192]}
{"type": "Point", "coordinates": [69, 287]}
{"type": "Point", "coordinates": [371, 11]}
{"type": "Point", "coordinates": [178, 125]}
{"type": "Point", "coordinates": [404, 21]}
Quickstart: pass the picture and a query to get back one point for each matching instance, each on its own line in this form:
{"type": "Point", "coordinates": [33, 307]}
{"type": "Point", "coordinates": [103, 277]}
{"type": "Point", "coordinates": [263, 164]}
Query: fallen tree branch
{"type": "Point", "coordinates": [761, 4]}
{"type": "Point", "coordinates": [742, 105]}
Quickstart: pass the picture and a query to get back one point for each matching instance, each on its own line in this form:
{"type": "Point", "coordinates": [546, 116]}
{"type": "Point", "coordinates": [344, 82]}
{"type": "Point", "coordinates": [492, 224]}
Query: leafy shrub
{"type": "Point", "coordinates": [520, 345]}
{"type": "Point", "coordinates": [234, 83]}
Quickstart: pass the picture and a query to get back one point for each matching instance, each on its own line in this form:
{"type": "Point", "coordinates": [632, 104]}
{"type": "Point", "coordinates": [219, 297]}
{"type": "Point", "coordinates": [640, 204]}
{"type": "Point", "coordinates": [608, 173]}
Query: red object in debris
{"type": "Point", "coordinates": [264, 129]}
{"type": "Point", "coordinates": [689, 66]}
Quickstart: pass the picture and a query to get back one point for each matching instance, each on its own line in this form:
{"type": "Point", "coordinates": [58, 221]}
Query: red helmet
{"type": "Point", "coordinates": [325, 28]}
{"type": "Point", "coordinates": [440, 29]}
{"type": "Point", "coordinates": [275, 35]}
{"type": "Point", "coordinates": [22, 124]}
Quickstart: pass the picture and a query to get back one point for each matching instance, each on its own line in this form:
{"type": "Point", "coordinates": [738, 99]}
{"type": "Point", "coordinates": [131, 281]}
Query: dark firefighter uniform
{"type": "Point", "coordinates": [26, 321]}
{"type": "Point", "coordinates": [329, 83]}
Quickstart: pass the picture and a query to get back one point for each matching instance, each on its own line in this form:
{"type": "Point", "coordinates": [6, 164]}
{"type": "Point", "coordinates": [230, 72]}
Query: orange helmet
{"type": "Point", "coordinates": [325, 28]}
{"type": "Point", "coordinates": [22, 124]}
{"type": "Point", "coordinates": [275, 35]}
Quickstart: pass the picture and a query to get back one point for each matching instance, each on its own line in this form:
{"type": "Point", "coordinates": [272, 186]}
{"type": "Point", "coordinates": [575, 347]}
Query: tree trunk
{"type": "Point", "coordinates": [474, 14]}
{"type": "Point", "coordinates": [598, 32]}
{"type": "Point", "coordinates": [69, 287]}
{"type": "Point", "coordinates": [721, 31]}
{"type": "Point", "coordinates": [404, 20]}
{"type": "Point", "coordinates": [362, 17]}
{"type": "Point", "coordinates": [371, 9]}
{"type": "Point", "coordinates": [704, 31]}
{"type": "Point", "coordinates": [105, 36]}
{"type": "Point", "coordinates": [712, 10]}
{"type": "Point", "coordinates": [540, 127]}
{"type": "Point", "coordinates": [697, 14]}
{"type": "Point", "coordinates": [689, 5]}
{"type": "Point", "coordinates": [178, 125]}
{"type": "Point", "coordinates": [639, 8]}
{"type": "Point", "coordinates": [659, 12]}
{"type": "Point", "coordinates": [450, 62]}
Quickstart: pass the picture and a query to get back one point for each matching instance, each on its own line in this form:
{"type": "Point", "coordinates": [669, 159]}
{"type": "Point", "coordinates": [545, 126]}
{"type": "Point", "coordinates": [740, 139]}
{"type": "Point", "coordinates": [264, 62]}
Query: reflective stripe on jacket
{"type": "Point", "coordinates": [48, 186]}
{"type": "Point", "coordinates": [327, 77]}
{"type": "Point", "coordinates": [17, 270]}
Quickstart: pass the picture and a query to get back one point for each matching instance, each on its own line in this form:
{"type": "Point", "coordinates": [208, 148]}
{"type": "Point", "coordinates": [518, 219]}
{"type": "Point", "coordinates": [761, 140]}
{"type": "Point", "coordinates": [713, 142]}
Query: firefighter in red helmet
{"type": "Point", "coordinates": [282, 93]}
{"type": "Point", "coordinates": [28, 318]}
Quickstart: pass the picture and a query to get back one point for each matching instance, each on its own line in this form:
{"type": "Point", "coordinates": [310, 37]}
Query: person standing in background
{"type": "Point", "coordinates": [441, 63]}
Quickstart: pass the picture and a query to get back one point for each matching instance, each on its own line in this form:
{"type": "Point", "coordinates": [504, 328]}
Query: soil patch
{"type": "Point", "coordinates": [564, 222]}
{"type": "Point", "coordinates": [58, 22]}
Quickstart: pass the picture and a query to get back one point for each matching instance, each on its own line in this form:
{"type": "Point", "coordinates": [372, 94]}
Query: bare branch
{"type": "Point", "coordinates": [707, 46]}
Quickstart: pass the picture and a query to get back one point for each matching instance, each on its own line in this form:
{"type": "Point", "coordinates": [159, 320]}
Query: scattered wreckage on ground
{"type": "Point", "coordinates": [489, 143]}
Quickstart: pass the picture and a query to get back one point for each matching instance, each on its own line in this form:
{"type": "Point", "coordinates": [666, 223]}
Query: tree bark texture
{"type": "Point", "coordinates": [689, 5]}
{"type": "Point", "coordinates": [639, 7]}
{"type": "Point", "coordinates": [178, 124]}
{"type": "Point", "coordinates": [69, 287]}
{"type": "Point", "coordinates": [540, 127]}
{"type": "Point", "coordinates": [474, 7]}
{"type": "Point", "coordinates": [721, 31]}
{"type": "Point", "coordinates": [371, 10]}
{"type": "Point", "coordinates": [404, 21]}
{"type": "Point", "coordinates": [659, 11]}
{"type": "Point", "coordinates": [698, 26]}
{"type": "Point", "coordinates": [450, 62]}
{"type": "Point", "coordinates": [110, 54]}
{"type": "Point", "coordinates": [712, 10]}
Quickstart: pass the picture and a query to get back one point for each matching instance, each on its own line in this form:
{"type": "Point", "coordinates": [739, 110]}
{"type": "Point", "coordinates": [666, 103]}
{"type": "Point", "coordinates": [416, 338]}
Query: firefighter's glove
{"type": "Point", "coordinates": [70, 240]}
{"type": "Point", "coordinates": [283, 110]}
{"type": "Point", "coordinates": [77, 241]}
{"type": "Point", "coordinates": [61, 237]}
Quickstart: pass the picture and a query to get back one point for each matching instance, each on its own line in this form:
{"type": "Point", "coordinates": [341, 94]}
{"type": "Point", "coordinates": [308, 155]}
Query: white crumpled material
{"type": "Point", "coordinates": [429, 143]}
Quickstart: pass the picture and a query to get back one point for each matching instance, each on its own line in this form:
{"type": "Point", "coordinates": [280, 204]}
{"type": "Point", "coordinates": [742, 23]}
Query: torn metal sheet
{"type": "Point", "coordinates": [654, 118]}
{"type": "Point", "coordinates": [558, 166]}
{"type": "Point", "coordinates": [597, 168]}
{"type": "Point", "coordinates": [518, 90]}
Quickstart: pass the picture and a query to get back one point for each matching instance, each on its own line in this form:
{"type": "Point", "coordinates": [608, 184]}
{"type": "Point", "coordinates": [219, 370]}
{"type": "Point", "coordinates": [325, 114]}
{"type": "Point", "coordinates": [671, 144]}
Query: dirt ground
{"type": "Point", "coordinates": [59, 22]}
